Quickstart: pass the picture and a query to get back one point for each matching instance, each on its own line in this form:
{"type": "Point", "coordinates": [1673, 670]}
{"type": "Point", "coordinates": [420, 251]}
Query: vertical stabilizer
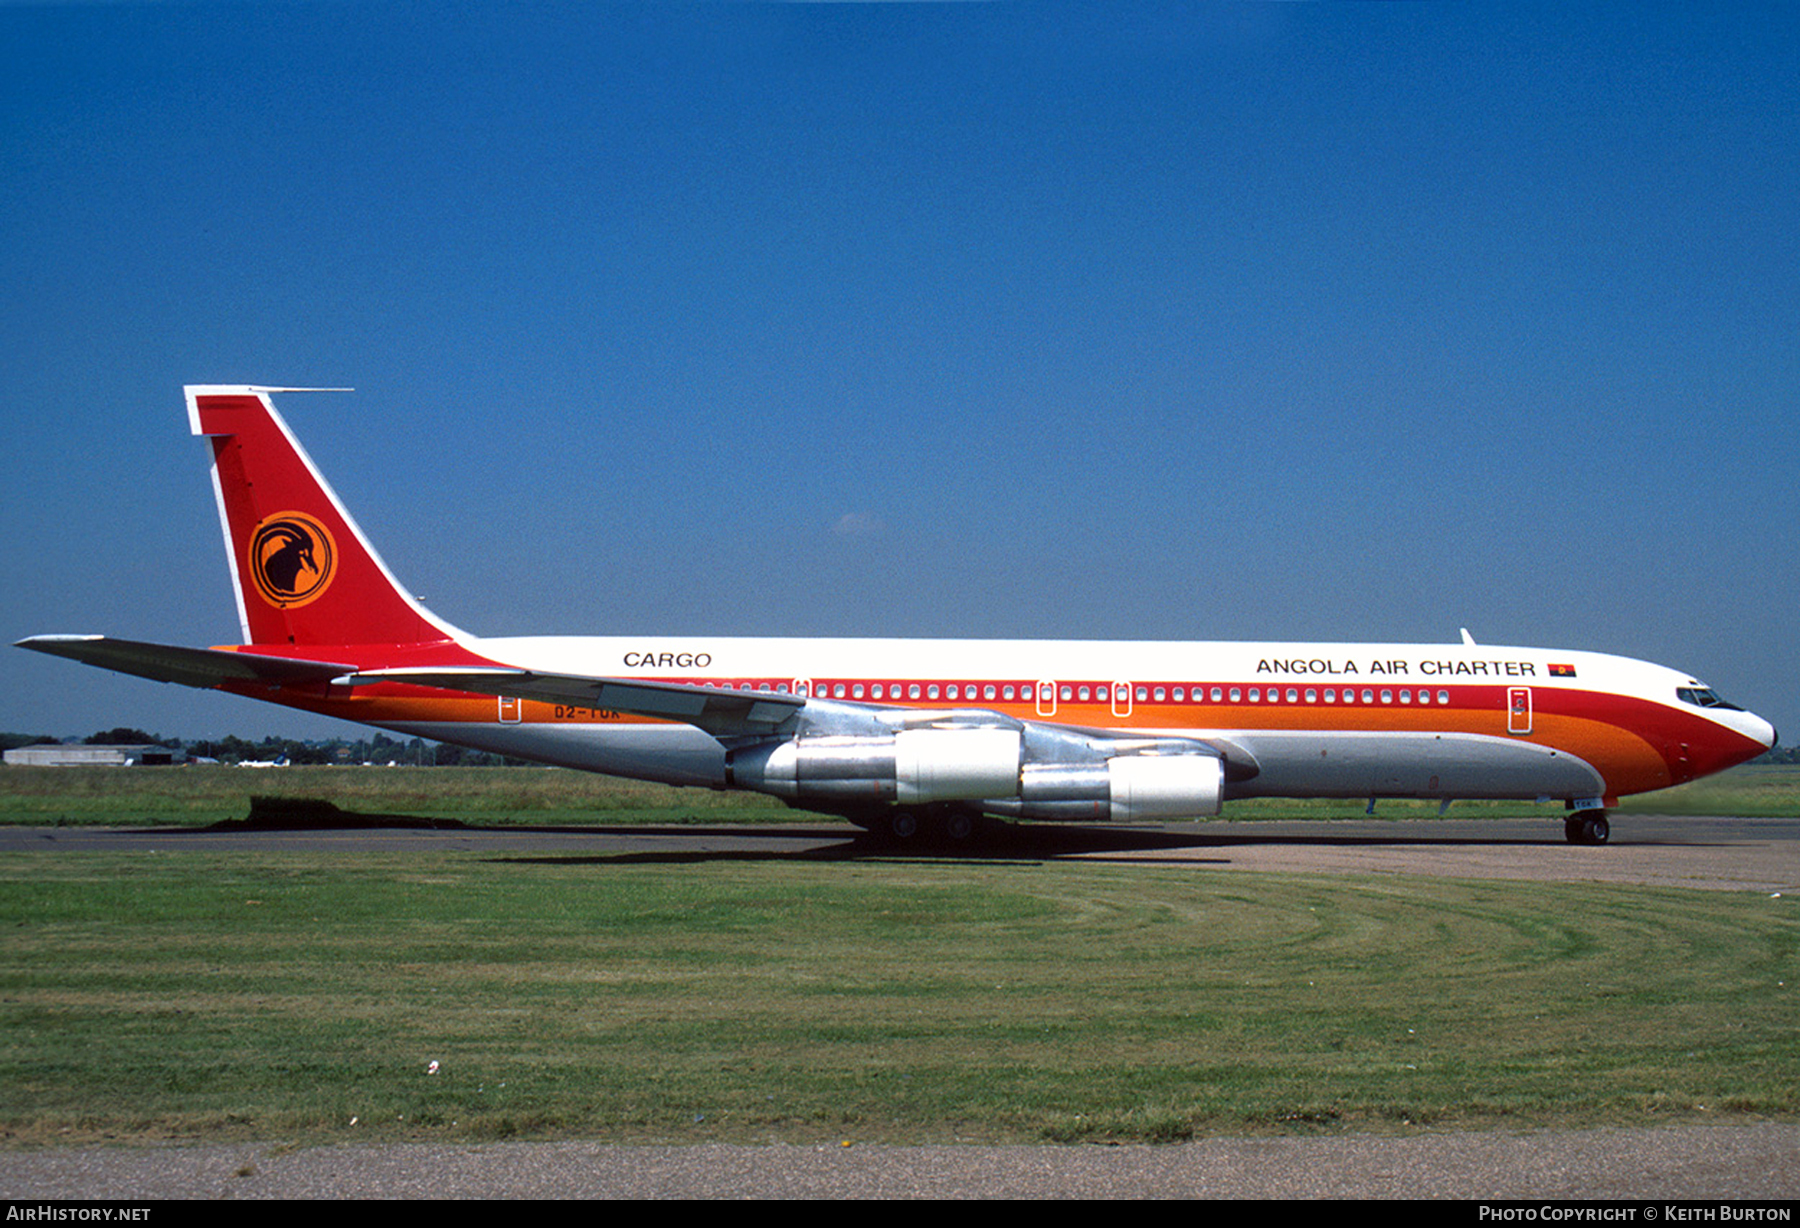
{"type": "Point", "coordinates": [303, 572]}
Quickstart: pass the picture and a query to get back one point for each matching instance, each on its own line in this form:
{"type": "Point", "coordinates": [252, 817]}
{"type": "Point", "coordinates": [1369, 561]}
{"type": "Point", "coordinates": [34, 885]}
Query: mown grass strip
{"type": "Point", "coordinates": [197, 796]}
{"type": "Point", "coordinates": [210, 995]}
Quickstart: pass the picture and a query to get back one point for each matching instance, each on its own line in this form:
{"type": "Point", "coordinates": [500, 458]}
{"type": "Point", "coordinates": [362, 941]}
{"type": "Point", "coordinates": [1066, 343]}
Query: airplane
{"type": "Point", "coordinates": [908, 736]}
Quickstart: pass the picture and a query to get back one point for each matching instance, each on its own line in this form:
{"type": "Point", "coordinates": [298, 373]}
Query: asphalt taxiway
{"type": "Point", "coordinates": [1713, 853]}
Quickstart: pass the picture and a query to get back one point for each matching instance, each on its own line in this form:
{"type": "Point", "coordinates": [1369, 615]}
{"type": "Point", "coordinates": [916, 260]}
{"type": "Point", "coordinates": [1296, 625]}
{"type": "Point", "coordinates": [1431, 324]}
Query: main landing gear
{"type": "Point", "coordinates": [1586, 827]}
{"type": "Point", "coordinates": [928, 826]}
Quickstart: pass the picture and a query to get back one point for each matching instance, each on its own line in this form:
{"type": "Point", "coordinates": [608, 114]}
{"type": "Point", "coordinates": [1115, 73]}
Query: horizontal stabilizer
{"type": "Point", "coordinates": [198, 667]}
{"type": "Point", "coordinates": [717, 710]}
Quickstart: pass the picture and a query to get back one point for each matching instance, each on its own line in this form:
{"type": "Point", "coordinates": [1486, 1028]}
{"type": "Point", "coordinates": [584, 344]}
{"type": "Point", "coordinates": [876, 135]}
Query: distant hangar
{"type": "Point", "coordinates": [94, 756]}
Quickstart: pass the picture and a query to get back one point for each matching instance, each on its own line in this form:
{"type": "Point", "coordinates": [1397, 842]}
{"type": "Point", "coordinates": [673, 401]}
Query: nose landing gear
{"type": "Point", "coordinates": [1587, 827]}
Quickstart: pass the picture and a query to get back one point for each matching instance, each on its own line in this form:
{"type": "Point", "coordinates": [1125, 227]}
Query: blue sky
{"type": "Point", "coordinates": [1305, 321]}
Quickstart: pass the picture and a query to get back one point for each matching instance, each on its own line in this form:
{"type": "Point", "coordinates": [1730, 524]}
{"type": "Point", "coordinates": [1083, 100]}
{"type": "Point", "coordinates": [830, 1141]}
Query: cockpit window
{"type": "Point", "coordinates": [1703, 697]}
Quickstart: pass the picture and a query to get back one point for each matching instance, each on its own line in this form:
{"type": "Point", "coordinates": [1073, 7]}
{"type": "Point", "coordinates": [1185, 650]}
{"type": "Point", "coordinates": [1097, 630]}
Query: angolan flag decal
{"type": "Point", "coordinates": [1562, 671]}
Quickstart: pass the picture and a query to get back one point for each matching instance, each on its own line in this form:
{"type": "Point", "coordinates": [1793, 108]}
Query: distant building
{"type": "Point", "coordinates": [93, 756]}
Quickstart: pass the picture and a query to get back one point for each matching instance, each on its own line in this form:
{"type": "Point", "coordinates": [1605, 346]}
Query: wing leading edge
{"type": "Point", "coordinates": [833, 755]}
{"type": "Point", "coordinates": [195, 667]}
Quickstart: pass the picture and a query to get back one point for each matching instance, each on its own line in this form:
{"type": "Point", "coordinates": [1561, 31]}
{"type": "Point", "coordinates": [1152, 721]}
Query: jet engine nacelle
{"type": "Point", "coordinates": [1125, 788]}
{"type": "Point", "coordinates": [911, 767]}
{"type": "Point", "coordinates": [982, 766]}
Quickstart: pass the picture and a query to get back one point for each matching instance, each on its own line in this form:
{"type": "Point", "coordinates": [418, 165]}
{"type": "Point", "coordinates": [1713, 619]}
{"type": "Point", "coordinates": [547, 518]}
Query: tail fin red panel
{"type": "Point", "coordinates": [303, 571]}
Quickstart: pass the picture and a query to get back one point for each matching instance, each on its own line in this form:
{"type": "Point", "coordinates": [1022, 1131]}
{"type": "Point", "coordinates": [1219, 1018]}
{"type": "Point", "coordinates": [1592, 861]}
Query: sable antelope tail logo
{"type": "Point", "coordinates": [291, 557]}
{"type": "Point", "coordinates": [304, 572]}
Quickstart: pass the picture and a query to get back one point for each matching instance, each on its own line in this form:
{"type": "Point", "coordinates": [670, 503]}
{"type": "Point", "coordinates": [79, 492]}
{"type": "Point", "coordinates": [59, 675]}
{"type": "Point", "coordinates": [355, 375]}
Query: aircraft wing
{"type": "Point", "coordinates": [717, 710]}
{"type": "Point", "coordinates": [197, 667]}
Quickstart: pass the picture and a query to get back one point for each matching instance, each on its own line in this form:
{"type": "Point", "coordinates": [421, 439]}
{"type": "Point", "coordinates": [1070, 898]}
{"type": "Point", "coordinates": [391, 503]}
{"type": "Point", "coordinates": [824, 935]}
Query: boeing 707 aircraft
{"type": "Point", "coordinates": [905, 735]}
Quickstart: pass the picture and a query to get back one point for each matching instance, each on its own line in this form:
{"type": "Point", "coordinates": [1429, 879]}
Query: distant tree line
{"type": "Point", "coordinates": [124, 736]}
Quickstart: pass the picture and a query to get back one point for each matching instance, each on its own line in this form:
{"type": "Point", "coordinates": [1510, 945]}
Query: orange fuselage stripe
{"type": "Point", "coordinates": [1606, 731]}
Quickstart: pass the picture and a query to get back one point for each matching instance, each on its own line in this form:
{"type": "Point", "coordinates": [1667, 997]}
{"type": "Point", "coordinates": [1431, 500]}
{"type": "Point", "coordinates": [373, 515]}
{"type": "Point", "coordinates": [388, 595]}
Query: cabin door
{"type": "Point", "coordinates": [1518, 709]}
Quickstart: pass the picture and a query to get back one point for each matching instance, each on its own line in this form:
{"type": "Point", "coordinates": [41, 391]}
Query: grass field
{"type": "Point", "coordinates": [176, 995]}
{"type": "Point", "coordinates": [171, 994]}
{"type": "Point", "coordinates": [196, 796]}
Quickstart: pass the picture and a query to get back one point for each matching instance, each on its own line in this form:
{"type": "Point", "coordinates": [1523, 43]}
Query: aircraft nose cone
{"type": "Point", "coordinates": [1763, 731]}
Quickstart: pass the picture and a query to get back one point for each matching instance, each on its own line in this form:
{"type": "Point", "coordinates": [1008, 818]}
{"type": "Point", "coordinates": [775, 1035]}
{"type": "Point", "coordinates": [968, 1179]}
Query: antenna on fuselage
{"type": "Point", "coordinates": [1467, 638]}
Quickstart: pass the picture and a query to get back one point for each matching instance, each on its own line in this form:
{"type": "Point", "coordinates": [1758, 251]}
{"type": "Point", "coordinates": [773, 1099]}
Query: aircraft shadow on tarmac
{"type": "Point", "coordinates": [993, 841]}
{"type": "Point", "coordinates": [1024, 842]}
